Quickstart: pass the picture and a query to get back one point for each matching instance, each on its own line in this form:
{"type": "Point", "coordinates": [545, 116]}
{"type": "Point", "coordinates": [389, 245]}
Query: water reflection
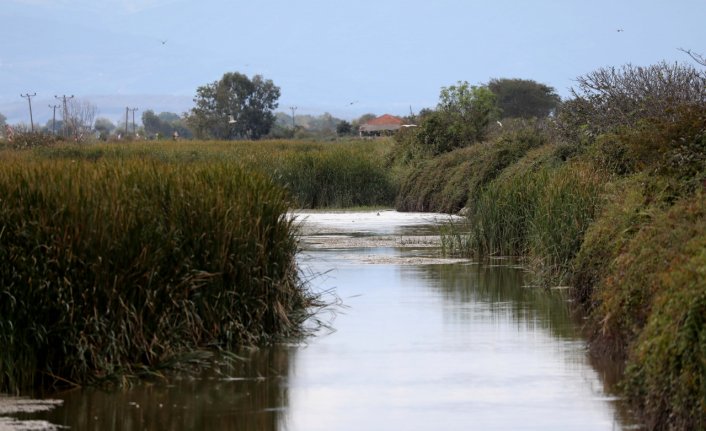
{"type": "Point", "coordinates": [247, 395]}
{"type": "Point", "coordinates": [445, 347]}
{"type": "Point", "coordinates": [502, 289]}
{"type": "Point", "coordinates": [415, 347]}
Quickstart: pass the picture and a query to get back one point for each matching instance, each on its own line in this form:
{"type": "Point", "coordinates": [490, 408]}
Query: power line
{"type": "Point", "coordinates": [294, 109]}
{"type": "Point", "coordinates": [29, 100]}
{"type": "Point", "coordinates": [133, 120]}
{"type": "Point", "coordinates": [127, 110]}
{"type": "Point", "coordinates": [65, 112]}
{"type": "Point", "coordinates": [53, 119]}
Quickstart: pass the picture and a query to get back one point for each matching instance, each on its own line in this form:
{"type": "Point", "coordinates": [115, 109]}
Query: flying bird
{"type": "Point", "coordinates": [620, 30]}
{"type": "Point", "coordinates": [164, 42]}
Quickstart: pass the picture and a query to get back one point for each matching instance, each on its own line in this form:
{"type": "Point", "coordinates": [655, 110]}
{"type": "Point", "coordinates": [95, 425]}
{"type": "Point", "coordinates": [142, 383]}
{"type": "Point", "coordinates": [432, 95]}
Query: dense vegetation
{"type": "Point", "coordinates": [607, 197]}
{"type": "Point", "coordinates": [604, 193]}
{"type": "Point", "coordinates": [117, 268]}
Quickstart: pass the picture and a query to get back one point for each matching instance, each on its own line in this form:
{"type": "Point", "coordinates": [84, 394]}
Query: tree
{"type": "Point", "coordinates": [165, 124]}
{"type": "Point", "coordinates": [344, 128]}
{"type": "Point", "coordinates": [235, 107]}
{"type": "Point", "coordinates": [609, 98]}
{"type": "Point", "coordinates": [524, 98]}
{"type": "Point", "coordinates": [468, 109]}
{"type": "Point", "coordinates": [694, 56]}
{"type": "Point", "coordinates": [152, 123]}
{"type": "Point", "coordinates": [3, 119]}
{"type": "Point", "coordinates": [103, 126]}
{"type": "Point", "coordinates": [79, 117]}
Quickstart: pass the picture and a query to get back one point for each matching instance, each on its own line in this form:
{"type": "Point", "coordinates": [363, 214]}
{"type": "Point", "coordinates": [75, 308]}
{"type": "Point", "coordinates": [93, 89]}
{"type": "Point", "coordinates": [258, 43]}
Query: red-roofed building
{"type": "Point", "coordinates": [384, 125]}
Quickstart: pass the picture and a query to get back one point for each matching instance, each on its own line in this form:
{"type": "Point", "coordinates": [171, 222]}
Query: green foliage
{"type": "Point", "coordinates": [344, 178]}
{"type": "Point", "coordinates": [470, 109]}
{"type": "Point", "coordinates": [625, 211]}
{"type": "Point", "coordinates": [114, 268]}
{"type": "Point", "coordinates": [651, 305]}
{"type": "Point", "coordinates": [524, 98]}
{"type": "Point", "coordinates": [235, 107]}
{"type": "Point", "coordinates": [164, 124]}
{"type": "Point", "coordinates": [541, 212]}
{"type": "Point", "coordinates": [344, 128]}
{"type": "Point", "coordinates": [667, 368]}
{"type": "Point", "coordinates": [462, 118]}
{"type": "Point", "coordinates": [448, 182]}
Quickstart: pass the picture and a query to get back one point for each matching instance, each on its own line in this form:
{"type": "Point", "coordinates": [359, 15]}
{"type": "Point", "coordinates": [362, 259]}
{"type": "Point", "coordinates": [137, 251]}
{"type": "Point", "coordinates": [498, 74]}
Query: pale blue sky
{"type": "Point", "coordinates": [385, 55]}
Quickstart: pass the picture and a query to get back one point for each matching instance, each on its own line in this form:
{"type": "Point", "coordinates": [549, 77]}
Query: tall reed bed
{"type": "Point", "coordinates": [541, 214]}
{"type": "Point", "coordinates": [117, 267]}
{"type": "Point", "coordinates": [316, 174]}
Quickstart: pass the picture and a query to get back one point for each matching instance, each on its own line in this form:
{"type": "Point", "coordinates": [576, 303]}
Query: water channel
{"type": "Point", "coordinates": [415, 343]}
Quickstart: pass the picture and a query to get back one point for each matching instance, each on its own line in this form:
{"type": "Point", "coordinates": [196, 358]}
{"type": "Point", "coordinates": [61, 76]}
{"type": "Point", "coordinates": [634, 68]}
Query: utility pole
{"type": "Point", "coordinates": [294, 109]}
{"type": "Point", "coordinates": [126, 111]}
{"type": "Point", "coordinates": [53, 119]}
{"type": "Point", "coordinates": [29, 99]}
{"type": "Point", "coordinates": [65, 113]}
{"type": "Point", "coordinates": [133, 120]}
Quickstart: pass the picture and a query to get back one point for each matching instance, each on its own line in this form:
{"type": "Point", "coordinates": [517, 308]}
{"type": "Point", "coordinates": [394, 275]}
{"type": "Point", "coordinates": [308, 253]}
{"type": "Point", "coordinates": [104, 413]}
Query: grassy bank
{"type": "Point", "coordinates": [118, 267]}
{"type": "Point", "coordinates": [619, 218]}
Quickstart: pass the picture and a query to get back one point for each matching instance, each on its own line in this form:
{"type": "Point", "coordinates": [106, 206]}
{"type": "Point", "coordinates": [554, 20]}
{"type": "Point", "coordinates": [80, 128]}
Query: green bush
{"type": "Point", "coordinates": [651, 306]}
{"type": "Point", "coordinates": [452, 180]}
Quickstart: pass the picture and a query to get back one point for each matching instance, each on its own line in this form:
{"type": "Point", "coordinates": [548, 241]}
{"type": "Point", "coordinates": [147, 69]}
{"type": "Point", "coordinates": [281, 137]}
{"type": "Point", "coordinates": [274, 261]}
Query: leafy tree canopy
{"type": "Point", "coordinates": [524, 98]}
{"type": "Point", "coordinates": [467, 110]}
{"type": "Point", "coordinates": [103, 125]}
{"type": "Point", "coordinates": [235, 107]}
{"type": "Point", "coordinates": [164, 124]}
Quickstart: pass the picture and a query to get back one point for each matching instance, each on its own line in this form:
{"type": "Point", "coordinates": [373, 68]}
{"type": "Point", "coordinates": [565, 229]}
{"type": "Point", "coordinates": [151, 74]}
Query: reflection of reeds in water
{"type": "Point", "coordinates": [246, 394]}
{"type": "Point", "coordinates": [119, 268]}
{"type": "Point", "coordinates": [500, 285]}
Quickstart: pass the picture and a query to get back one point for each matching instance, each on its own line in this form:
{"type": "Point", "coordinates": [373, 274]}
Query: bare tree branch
{"type": "Point", "coordinates": [696, 57]}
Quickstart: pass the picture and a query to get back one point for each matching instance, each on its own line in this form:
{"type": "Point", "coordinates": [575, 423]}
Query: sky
{"type": "Point", "coordinates": [346, 58]}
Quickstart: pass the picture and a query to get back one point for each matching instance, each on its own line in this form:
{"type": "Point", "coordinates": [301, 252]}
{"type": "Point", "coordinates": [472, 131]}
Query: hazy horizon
{"type": "Point", "coordinates": [343, 58]}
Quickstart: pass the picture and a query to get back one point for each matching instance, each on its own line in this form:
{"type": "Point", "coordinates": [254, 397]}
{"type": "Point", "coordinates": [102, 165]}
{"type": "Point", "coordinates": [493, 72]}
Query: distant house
{"type": "Point", "coordinates": [381, 126]}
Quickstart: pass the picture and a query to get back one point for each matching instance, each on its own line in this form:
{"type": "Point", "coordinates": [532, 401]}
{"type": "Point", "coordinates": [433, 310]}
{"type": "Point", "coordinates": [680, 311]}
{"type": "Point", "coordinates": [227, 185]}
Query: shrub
{"type": "Point", "coordinates": [451, 181]}
{"type": "Point", "coordinates": [27, 140]}
{"type": "Point", "coordinates": [610, 98]}
{"type": "Point", "coordinates": [652, 307]}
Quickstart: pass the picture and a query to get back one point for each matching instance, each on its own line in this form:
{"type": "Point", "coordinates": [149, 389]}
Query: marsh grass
{"type": "Point", "coordinates": [538, 210]}
{"type": "Point", "coordinates": [116, 266]}
{"type": "Point", "coordinates": [316, 174]}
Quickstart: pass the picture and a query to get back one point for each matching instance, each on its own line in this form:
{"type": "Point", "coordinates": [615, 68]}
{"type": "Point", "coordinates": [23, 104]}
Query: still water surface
{"type": "Point", "coordinates": [416, 345]}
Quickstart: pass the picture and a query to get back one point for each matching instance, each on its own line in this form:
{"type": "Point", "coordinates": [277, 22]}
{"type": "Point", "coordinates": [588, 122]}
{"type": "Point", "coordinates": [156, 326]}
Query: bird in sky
{"type": "Point", "coordinates": [351, 103]}
{"type": "Point", "coordinates": [620, 30]}
{"type": "Point", "coordinates": [164, 42]}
